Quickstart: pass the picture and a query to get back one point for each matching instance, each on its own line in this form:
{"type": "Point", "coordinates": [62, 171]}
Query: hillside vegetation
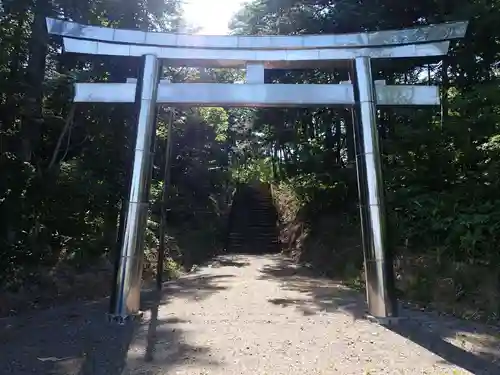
{"type": "Point", "coordinates": [441, 165]}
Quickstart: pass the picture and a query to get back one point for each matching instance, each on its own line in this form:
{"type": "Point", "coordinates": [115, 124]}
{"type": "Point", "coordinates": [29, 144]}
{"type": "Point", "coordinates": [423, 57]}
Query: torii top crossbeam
{"type": "Point", "coordinates": [275, 51]}
{"type": "Point", "coordinates": [256, 53]}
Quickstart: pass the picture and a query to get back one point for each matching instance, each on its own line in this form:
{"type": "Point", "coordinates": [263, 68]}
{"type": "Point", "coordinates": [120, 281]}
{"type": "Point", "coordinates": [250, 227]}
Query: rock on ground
{"type": "Point", "coordinates": [255, 315]}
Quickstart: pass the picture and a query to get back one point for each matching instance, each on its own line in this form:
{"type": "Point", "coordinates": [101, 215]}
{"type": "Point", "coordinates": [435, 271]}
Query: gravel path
{"type": "Point", "coordinates": [246, 315]}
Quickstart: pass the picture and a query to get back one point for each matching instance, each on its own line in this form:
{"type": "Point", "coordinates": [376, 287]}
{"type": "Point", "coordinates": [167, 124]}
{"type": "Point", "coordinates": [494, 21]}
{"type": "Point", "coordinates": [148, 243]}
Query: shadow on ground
{"type": "Point", "coordinates": [78, 340]}
{"type": "Point", "coordinates": [473, 347]}
{"type": "Point", "coordinates": [225, 261]}
{"type": "Point", "coordinates": [320, 294]}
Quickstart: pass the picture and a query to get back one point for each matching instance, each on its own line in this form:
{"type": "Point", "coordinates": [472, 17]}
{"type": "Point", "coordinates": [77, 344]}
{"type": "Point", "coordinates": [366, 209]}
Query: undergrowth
{"type": "Point", "coordinates": [329, 241]}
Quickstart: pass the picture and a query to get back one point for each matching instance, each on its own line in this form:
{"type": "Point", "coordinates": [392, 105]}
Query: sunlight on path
{"type": "Point", "coordinates": [246, 315]}
{"type": "Point", "coordinates": [262, 315]}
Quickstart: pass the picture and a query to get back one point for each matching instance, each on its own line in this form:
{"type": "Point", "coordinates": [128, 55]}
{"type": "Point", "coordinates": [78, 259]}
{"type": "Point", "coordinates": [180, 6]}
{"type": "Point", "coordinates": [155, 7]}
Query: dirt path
{"type": "Point", "coordinates": [246, 315]}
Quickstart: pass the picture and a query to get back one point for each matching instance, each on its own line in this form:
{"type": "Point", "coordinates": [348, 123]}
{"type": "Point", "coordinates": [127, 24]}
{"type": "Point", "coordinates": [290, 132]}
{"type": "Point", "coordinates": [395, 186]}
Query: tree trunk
{"type": "Point", "coordinates": [444, 92]}
{"type": "Point", "coordinates": [32, 118]}
{"type": "Point", "coordinates": [338, 140]}
{"type": "Point", "coordinates": [349, 128]}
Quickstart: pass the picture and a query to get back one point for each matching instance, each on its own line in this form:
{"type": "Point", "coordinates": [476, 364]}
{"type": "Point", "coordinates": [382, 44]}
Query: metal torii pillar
{"type": "Point", "coordinates": [125, 300]}
{"type": "Point", "coordinates": [379, 273]}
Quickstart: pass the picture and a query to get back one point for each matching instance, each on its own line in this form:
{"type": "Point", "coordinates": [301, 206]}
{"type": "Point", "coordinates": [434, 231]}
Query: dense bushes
{"type": "Point", "coordinates": [65, 168]}
{"type": "Point", "coordinates": [441, 167]}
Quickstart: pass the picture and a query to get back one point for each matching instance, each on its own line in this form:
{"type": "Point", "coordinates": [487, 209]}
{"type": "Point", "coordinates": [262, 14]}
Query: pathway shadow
{"type": "Point", "coordinates": [197, 287]}
{"type": "Point", "coordinates": [78, 340]}
{"type": "Point", "coordinates": [228, 261]}
{"type": "Point", "coordinates": [474, 347]}
{"type": "Point", "coordinates": [73, 340]}
{"type": "Point", "coordinates": [471, 346]}
{"type": "Point", "coordinates": [320, 294]}
{"type": "Point", "coordinates": [163, 344]}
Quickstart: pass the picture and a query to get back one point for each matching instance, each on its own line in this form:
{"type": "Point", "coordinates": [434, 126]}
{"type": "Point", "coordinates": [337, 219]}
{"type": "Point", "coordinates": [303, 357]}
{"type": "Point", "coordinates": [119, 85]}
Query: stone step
{"type": "Point", "coordinates": [254, 238]}
{"type": "Point", "coordinates": [238, 227]}
{"type": "Point", "coordinates": [254, 213]}
{"type": "Point", "coordinates": [259, 248]}
{"type": "Point", "coordinates": [254, 223]}
{"type": "Point", "coordinates": [254, 235]}
{"type": "Point", "coordinates": [255, 220]}
{"type": "Point", "coordinates": [242, 213]}
{"type": "Point", "coordinates": [254, 229]}
{"type": "Point", "coordinates": [254, 216]}
{"type": "Point", "coordinates": [254, 232]}
{"type": "Point", "coordinates": [262, 236]}
{"type": "Point", "coordinates": [263, 240]}
{"type": "Point", "coordinates": [259, 218]}
{"type": "Point", "coordinates": [254, 244]}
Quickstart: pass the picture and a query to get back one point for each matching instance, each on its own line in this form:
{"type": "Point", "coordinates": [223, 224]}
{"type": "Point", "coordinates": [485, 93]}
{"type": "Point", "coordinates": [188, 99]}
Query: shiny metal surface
{"type": "Point", "coordinates": [128, 284]}
{"type": "Point", "coordinates": [212, 94]}
{"type": "Point", "coordinates": [238, 58]}
{"type": "Point", "coordinates": [255, 95]}
{"type": "Point", "coordinates": [254, 73]}
{"type": "Point", "coordinates": [378, 265]}
{"type": "Point", "coordinates": [423, 34]}
{"type": "Point", "coordinates": [407, 95]}
{"type": "Point", "coordinates": [164, 198]}
{"type": "Point", "coordinates": [105, 92]}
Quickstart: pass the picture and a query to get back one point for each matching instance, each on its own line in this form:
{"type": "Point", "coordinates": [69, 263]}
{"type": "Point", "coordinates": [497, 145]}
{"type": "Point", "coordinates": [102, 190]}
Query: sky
{"type": "Point", "coordinates": [212, 16]}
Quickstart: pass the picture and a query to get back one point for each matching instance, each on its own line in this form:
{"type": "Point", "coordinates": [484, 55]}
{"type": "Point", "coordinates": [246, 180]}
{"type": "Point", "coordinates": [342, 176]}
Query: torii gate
{"type": "Point", "coordinates": [255, 54]}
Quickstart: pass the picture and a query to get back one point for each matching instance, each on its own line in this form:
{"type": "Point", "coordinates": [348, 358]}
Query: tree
{"type": "Point", "coordinates": [440, 169]}
{"type": "Point", "coordinates": [65, 167]}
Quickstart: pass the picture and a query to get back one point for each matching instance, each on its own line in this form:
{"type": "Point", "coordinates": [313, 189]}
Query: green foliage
{"type": "Point", "coordinates": [65, 168]}
{"type": "Point", "coordinates": [218, 118]}
{"type": "Point", "coordinates": [441, 173]}
{"type": "Point", "coordinates": [254, 170]}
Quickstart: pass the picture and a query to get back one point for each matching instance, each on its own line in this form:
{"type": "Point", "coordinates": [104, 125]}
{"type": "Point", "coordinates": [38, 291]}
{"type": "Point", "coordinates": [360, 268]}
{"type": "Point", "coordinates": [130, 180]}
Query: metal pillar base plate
{"type": "Point", "coordinates": [123, 320]}
{"type": "Point", "coordinates": [388, 321]}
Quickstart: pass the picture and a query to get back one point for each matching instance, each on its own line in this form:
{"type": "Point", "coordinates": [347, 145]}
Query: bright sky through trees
{"type": "Point", "coordinates": [212, 16]}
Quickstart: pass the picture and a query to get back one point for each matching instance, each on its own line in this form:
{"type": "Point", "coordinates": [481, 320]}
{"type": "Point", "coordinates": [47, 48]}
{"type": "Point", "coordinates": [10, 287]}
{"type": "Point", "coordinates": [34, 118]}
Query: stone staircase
{"type": "Point", "coordinates": [253, 221]}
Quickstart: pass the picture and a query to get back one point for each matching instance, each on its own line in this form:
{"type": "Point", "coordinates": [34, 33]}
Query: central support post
{"type": "Point", "coordinates": [125, 300]}
{"type": "Point", "coordinates": [379, 271]}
